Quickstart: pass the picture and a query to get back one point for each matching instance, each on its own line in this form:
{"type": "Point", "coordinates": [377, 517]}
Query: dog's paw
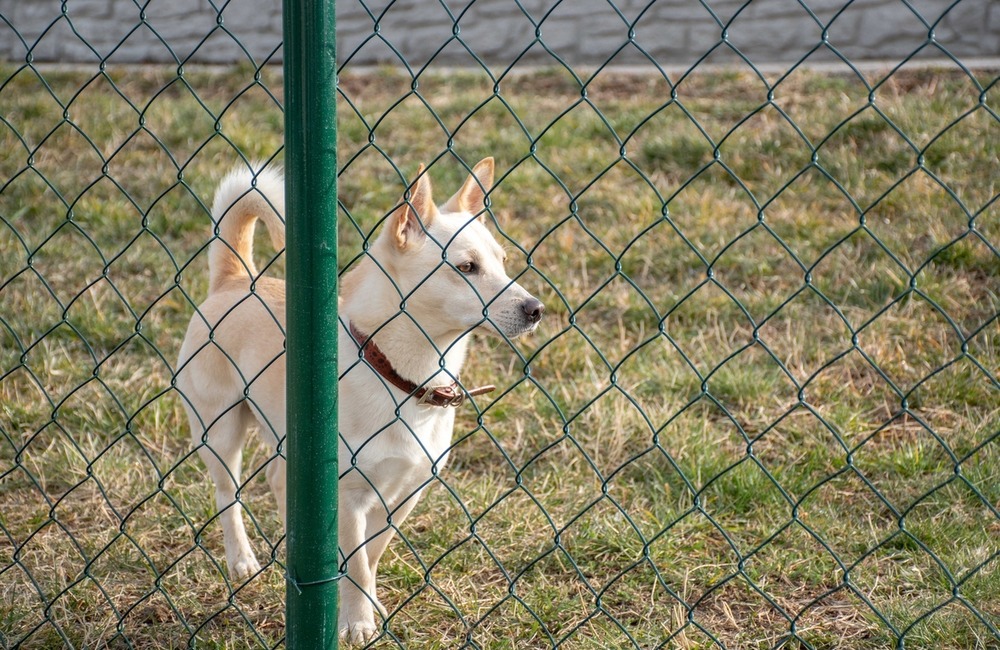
{"type": "Point", "coordinates": [358, 632]}
{"type": "Point", "coordinates": [243, 566]}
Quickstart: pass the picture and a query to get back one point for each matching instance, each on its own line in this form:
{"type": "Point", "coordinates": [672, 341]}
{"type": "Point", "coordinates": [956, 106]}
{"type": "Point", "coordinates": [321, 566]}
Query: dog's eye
{"type": "Point", "coordinates": [468, 267]}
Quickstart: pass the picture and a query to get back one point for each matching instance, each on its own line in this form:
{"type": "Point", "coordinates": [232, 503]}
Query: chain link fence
{"type": "Point", "coordinates": [761, 411]}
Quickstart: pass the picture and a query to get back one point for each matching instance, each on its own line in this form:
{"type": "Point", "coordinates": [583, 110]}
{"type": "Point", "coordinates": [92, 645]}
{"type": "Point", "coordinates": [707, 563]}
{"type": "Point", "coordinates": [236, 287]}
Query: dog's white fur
{"type": "Point", "coordinates": [232, 365]}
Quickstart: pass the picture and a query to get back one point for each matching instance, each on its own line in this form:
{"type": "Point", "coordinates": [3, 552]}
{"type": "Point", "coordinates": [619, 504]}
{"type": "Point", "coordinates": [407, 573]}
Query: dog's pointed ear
{"type": "Point", "coordinates": [472, 195]}
{"type": "Point", "coordinates": [408, 221]}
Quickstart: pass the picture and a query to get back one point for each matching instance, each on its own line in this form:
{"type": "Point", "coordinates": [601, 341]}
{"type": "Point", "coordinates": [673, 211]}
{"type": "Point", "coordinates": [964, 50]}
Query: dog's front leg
{"type": "Point", "coordinates": [357, 588]}
{"type": "Point", "coordinates": [382, 526]}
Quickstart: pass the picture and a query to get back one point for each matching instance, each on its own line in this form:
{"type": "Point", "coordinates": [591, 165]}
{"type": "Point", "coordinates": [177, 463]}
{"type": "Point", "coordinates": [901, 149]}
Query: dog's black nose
{"type": "Point", "coordinates": [533, 309]}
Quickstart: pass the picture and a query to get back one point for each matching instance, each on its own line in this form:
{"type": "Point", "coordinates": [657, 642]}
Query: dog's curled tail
{"type": "Point", "coordinates": [242, 197]}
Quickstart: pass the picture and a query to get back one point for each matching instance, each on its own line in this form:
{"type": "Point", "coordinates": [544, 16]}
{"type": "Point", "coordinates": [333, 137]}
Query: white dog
{"type": "Point", "coordinates": [398, 369]}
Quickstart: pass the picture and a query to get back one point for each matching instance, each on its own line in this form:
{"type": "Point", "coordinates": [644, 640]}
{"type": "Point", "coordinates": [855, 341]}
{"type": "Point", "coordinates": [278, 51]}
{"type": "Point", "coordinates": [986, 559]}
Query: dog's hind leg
{"type": "Point", "coordinates": [222, 451]}
{"type": "Point", "coordinates": [272, 432]}
{"type": "Point", "coordinates": [275, 473]}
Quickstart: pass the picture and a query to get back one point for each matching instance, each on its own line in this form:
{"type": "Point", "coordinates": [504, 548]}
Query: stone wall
{"type": "Point", "coordinates": [675, 33]}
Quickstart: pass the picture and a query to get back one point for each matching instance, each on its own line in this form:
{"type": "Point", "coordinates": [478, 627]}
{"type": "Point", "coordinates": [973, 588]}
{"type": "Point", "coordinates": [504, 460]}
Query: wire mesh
{"type": "Point", "coordinates": [761, 410]}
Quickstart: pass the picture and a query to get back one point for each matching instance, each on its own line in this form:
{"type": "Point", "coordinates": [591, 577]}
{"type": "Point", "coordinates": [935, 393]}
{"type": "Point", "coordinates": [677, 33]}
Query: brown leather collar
{"type": "Point", "coordinates": [443, 396]}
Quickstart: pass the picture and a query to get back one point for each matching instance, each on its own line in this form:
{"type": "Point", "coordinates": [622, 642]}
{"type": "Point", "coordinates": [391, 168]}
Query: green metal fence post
{"type": "Point", "coordinates": [311, 224]}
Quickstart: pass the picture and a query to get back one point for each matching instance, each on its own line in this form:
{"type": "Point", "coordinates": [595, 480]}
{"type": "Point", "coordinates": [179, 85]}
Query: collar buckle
{"type": "Point", "coordinates": [448, 396]}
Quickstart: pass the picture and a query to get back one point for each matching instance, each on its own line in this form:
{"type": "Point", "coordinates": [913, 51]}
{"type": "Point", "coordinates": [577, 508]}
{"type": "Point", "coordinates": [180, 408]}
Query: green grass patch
{"type": "Point", "coordinates": [763, 401]}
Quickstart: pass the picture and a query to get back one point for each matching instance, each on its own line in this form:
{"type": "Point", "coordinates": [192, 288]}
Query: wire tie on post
{"type": "Point", "coordinates": [312, 583]}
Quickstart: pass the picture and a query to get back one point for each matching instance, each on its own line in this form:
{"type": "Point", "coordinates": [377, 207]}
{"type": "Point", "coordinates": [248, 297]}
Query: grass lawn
{"type": "Point", "coordinates": [762, 410]}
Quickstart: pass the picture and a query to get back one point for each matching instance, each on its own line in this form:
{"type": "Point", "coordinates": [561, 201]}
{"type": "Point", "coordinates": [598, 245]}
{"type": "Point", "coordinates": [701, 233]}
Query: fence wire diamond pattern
{"type": "Point", "coordinates": [762, 410]}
